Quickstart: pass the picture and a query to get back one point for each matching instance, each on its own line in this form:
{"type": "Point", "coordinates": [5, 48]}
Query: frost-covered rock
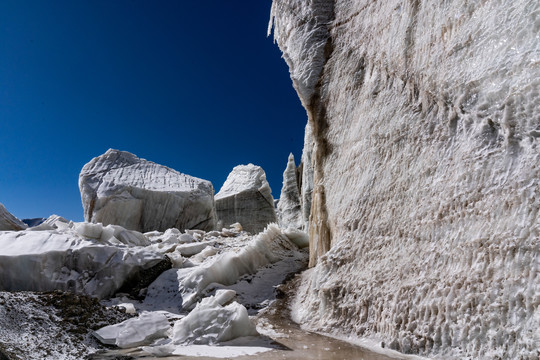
{"type": "Point", "coordinates": [289, 207]}
{"type": "Point", "coordinates": [424, 142]}
{"type": "Point", "coordinates": [246, 197]}
{"type": "Point", "coordinates": [81, 258]}
{"type": "Point", "coordinates": [120, 188]}
{"type": "Point", "coordinates": [9, 222]}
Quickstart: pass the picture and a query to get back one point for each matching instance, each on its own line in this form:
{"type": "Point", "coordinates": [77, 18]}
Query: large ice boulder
{"type": "Point", "coordinates": [424, 120]}
{"type": "Point", "coordinates": [120, 188]}
{"type": "Point", "coordinates": [246, 197]}
{"type": "Point", "coordinates": [142, 330]}
{"type": "Point", "coordinates": [78, 257]}
{"type": "Point", "coordinates": [9, 222]}
{"type": "Point", "coordinates": [211, 322]}
{"type": "Point", "coordinates": [289, 207]}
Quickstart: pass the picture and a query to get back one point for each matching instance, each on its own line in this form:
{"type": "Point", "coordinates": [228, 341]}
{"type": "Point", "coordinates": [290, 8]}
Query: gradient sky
{"type": "Point", "coordinates": [193, 85]}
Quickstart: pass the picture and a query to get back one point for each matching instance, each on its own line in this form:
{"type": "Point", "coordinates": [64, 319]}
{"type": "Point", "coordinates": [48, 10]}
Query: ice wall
{"type": "Point", "coordinates": [425, 121]}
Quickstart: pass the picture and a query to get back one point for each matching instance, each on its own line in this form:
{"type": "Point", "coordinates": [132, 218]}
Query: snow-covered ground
{"type": "Point", "coordinates": [211, 286]}
{"type": "Point", "coordinates": [207, 300]}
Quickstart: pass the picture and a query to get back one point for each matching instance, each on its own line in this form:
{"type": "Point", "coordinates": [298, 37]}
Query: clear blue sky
{"type": "Point", "coordinates": [193, 85]}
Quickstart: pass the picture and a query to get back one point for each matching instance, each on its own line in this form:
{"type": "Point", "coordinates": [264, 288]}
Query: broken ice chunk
{"type": "Point", "coordinates": [143, 330]}
{"type": "Point", "coordinates": [211, 323]}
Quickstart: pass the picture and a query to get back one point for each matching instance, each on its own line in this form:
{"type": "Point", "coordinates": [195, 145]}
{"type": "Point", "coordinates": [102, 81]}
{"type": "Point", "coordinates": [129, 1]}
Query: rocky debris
{"type": "Point", "coordinates": [246, 197]}
{"type": "Point", "coordinates": [120, 188]}
{"type": "Point", "coordinates": [53, 325]}
{"type": "Point", "coordinates": [289, 209]}
{"type": "Point", "coordinates": [9, 222]}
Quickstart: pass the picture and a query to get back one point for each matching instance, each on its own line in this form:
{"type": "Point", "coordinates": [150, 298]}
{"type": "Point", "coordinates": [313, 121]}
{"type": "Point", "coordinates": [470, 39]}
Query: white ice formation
{"type": "Point", "coordinates": [120, 188]}
{"type": "Point", "coordinates": [205, 296]}
{"type": "Point", "coordinates": [212, 322]}
{"type": "Point", "coordinates": [424, 122]}
{"type": "Point", "coordinates": [307, 176]}
{"type": "Point", "coordinates": [289, 209]}
{"type": "Point", "coordinates": [142, 330]}
{"type": "Point", "coordinates": [181, 288]}
{"type": "Point", "coordinates": [78, 257]}
{"type": "Point", "coordinates": [9, 222]}
{"type": "Point", "coordinates": [246, 197]}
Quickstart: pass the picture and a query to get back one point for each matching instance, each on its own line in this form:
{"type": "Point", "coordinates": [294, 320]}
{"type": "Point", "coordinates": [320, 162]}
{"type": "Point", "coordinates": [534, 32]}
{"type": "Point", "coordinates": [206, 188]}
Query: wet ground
{"type": "Point", "coordinates": [288, 339]}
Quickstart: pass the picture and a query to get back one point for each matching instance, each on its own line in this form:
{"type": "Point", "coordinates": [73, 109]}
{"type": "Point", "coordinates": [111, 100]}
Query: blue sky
{"type": "Point", "coordinates": [193, 85]}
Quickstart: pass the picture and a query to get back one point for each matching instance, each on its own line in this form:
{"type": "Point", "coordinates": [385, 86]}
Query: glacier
{"type": "Point", "coordinates": [422, 144]}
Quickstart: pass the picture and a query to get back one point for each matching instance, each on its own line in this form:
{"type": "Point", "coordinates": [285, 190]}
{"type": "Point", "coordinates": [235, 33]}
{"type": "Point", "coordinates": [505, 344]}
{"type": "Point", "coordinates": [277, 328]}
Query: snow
{"type": "Point", "coordinates": [246, 197]}
{"type": "Point", "coordinates": [120, 188]}
{"type": "Point", "coordinates": [423, 123]}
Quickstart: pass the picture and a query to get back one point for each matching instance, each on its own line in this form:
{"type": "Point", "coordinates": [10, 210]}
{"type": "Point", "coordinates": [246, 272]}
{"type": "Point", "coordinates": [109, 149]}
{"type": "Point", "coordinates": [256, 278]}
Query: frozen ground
{"type": "Point", "coordinates": [206, 293]}
{"type": "Point", "coordinates": [282, 339]}
{"type": "Point", "coordinates": [53, 325]}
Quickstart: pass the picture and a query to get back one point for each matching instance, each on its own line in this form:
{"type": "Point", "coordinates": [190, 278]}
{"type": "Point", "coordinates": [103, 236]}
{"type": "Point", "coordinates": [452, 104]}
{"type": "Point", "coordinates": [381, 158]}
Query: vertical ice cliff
{"type": "Point", "coordinates": [9, 222]}
{"type": "Point", "coordinates": [289, 207]}
{"type": "Point", "coordinates": [246, 197]}
{"type": "Point", "coordinates": [119, 188]}
{"type": "Point", "coordinates": [425, 130]}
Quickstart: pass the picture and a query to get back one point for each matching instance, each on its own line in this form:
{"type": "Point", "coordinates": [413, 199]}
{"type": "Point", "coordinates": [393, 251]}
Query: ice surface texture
{"type": "Point", "coordinates": [119, 188]}
{"type": "Point", "coordinates": [425, 123]}
{"type": "Point", "coordinates": [289, 207]}
{"type": "Point", "coordinates": [78, 257]}
{"type": "Point", "coordinates": [8, 221]}
{"type": "Point", "coordinates": [141, 330]}
{"type": "Point", "coordinates": [246, 197]}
